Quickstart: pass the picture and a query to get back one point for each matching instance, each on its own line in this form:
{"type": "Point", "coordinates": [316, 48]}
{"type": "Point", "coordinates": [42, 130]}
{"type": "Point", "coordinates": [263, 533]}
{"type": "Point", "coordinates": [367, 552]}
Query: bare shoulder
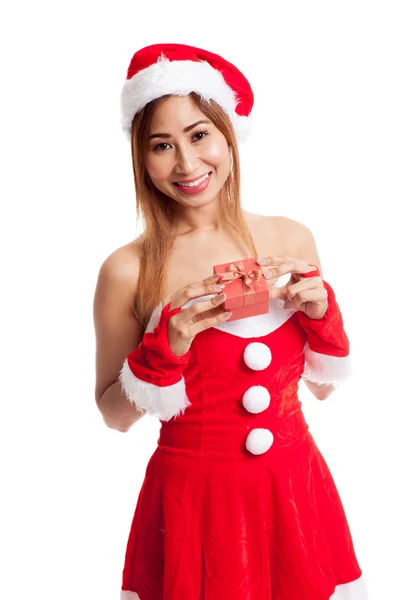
{"type": "Point", "coordinates": [297, 233]}
{"type": "Point", "coordinates": [123, 263]}
{"type": "Point", "coordinates": [293, 237]}
{"type": "Point", "coordinates": [263, 226]}
{"type": "Point", "coordinates": [285, 225]}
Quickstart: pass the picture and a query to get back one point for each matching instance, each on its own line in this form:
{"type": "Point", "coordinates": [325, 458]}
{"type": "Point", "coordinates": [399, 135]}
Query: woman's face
{"type": "Point", "coordinates": [185, 145]}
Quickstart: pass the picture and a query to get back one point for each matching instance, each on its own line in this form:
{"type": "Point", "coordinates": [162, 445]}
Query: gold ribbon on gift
{"type": "Point", "coordinates": [236, 271]}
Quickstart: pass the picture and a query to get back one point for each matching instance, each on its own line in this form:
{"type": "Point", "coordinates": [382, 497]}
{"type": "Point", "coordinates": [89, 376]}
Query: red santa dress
{"type": "Point", "coordinates": [237, 501]}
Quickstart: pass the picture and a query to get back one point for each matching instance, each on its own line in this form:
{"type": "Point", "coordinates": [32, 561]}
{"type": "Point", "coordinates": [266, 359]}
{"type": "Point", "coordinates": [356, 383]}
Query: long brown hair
{"type": "Point", "coordinates": [156, 209]}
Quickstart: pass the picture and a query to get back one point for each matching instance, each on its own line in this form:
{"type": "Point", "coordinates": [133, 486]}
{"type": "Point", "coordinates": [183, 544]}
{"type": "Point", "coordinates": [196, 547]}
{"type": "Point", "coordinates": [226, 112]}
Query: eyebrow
{"type": "Point", "coordinates": [189, 128]}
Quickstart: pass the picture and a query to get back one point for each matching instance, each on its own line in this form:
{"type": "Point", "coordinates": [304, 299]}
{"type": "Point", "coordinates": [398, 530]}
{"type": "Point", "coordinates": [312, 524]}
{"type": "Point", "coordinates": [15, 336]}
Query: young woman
{"type": "Point", "coordinates": [237, 502]}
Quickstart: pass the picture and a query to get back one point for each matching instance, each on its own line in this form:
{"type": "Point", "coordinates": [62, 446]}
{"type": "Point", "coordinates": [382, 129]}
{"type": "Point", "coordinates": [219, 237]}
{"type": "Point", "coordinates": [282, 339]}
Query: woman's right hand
{"type": "Point", "coordinates": [183, 327]}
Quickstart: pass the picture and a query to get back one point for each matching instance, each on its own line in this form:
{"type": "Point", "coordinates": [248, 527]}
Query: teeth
{"type": "Point", "coordinates": [194, 183]}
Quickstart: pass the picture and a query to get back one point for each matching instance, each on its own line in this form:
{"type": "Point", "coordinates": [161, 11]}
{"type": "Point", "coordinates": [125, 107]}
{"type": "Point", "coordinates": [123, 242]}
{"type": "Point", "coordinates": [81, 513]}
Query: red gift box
{"type": "Point", "coordinates": [246, 289]}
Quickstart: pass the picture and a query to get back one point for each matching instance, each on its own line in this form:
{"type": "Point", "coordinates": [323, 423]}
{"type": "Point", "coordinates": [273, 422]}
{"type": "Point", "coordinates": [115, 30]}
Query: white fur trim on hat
{"type": "Point", "coordinates": [177, 77]}
{"type": "Point", "coordinates": [322, 368]}
{"type": "Point", "coordinates": [243, 127]}
{"type": "Point", "coordinates": [164, 402]}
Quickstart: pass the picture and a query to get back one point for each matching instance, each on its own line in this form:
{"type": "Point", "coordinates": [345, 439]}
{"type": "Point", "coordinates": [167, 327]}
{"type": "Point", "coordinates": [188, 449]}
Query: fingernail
{"type": "Point", "coordinates": [214, 277]}
{"type": "Point", "coordinates": [221, 296]}
{"type": "Point", "coordinates": [218, 287]}
{"type": "Point", "coordinates": [267, 273]}
{"type": "Point", "coordinates": [261, 261]}
{"type": "Point", "coordinates": [227, 315]}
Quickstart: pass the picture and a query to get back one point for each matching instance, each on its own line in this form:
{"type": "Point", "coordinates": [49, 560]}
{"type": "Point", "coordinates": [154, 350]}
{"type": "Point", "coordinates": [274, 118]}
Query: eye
{"type": "Point", "coordinates": [199, 135]}
{"type": "Point", "coordinates": [160, 146]}
{"type": "Point", "coordinates": [202, 133]}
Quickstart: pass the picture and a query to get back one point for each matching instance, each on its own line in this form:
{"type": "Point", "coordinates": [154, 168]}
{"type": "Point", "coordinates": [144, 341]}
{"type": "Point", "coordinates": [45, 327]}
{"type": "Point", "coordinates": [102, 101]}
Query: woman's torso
{"type": "Point", "coordinates": [217, 424]}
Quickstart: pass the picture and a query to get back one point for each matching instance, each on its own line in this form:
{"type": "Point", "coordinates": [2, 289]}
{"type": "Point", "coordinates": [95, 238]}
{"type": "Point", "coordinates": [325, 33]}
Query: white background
{"type": "Point", "coordinates": [324, 151]}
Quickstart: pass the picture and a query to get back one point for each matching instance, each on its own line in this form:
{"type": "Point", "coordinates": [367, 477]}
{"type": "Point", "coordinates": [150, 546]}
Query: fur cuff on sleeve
{"type": "Point", "coordinates": [164, 402]}
{"type": "Point", "coordinates": [322, 368]}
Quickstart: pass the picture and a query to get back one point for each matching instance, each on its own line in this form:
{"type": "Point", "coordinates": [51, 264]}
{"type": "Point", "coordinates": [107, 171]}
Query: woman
{"type": "Point", "coordinates": [237, 501]}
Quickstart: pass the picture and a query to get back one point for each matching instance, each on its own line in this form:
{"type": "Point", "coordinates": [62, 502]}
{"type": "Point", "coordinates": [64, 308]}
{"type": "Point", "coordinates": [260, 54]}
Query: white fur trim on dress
{"type": "Point", "coordinates": [355, 590]}
{"type": "Point", "coordinates": [178, 77]}
{"type": "Point", "coordinates": [164, 402]}
{"type": "Point", "coordinates": [322, 368]}
{"type": "Point", "coordinates": [257, 326]}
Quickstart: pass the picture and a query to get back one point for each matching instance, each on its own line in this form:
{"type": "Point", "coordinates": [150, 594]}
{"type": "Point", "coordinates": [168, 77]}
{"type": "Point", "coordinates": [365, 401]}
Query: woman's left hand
{"type": "Point", "coordinates": [307, 294]}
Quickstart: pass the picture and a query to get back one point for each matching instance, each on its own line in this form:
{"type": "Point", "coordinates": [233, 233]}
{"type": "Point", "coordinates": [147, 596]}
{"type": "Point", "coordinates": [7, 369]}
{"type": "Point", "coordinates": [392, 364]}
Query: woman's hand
{"type": "Point", "coordinates": [302, 292]}
{"type": "Point", "coordinates": [183, 326]}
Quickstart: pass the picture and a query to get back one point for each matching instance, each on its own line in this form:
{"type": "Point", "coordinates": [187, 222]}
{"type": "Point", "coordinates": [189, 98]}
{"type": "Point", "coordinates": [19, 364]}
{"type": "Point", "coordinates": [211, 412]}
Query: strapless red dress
{"type": "Point", "coordinates": [237, 501]}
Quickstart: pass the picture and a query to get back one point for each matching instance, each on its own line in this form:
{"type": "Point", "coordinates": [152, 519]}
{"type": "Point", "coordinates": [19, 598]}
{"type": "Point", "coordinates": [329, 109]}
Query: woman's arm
{"type": "Point", "coordinates": [117, 334]}
{"type": "Point", "coordinates": [303, 246]}
{"type": "Point", "coordinates": [320, 390]}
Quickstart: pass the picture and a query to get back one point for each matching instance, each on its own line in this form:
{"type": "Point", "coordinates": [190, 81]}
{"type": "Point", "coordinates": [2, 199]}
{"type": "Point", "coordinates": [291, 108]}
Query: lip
{"type": "Point", "coordinates": [190, 180]}
{"type": "Point", "coordinates": [194, 190]}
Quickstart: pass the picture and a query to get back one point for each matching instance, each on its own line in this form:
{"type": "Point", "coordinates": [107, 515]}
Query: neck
{"type": "Point", "coordinates": [197, 220]}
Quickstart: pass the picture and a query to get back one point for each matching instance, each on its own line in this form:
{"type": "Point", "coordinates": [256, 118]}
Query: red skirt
{"type": "Point", "coordinates": [268, 527]}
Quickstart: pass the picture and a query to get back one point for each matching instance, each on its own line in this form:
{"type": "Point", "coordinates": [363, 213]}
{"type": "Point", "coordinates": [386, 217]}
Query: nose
{"type": "Point", "coordinates": [186, 159]}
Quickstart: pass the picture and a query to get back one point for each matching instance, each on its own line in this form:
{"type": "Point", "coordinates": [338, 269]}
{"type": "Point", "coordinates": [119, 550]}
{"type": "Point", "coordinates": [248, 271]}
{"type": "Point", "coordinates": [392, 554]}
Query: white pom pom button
{"type": "Point", "coordinates": [257, 356]}
{"type": "Point", "coordinates": [256, 399]}
{"type": "Point", "coordinates": [259, 441]}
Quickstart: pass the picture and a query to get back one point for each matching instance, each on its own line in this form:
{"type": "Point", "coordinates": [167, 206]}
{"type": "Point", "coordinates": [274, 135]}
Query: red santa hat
{"type": "Point", "coordinates": [162, 69]}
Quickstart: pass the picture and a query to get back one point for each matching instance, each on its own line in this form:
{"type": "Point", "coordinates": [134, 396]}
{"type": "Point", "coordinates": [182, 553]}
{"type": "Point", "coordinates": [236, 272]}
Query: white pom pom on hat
{"type": "Point", "coordinates": [178, 69]}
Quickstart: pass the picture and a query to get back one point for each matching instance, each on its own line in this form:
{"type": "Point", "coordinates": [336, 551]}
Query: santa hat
{"type": "Point", "coordinates": [177, 69]}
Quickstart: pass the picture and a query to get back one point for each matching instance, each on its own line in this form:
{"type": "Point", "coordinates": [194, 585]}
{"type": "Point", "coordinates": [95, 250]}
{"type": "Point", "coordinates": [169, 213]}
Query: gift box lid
{"type": "Point", "coordinates": [245, 284]}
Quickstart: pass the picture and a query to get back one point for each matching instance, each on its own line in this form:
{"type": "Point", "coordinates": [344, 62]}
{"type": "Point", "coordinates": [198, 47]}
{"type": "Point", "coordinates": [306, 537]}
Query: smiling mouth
{"type": "Point", "coordinates": [193, 183]}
